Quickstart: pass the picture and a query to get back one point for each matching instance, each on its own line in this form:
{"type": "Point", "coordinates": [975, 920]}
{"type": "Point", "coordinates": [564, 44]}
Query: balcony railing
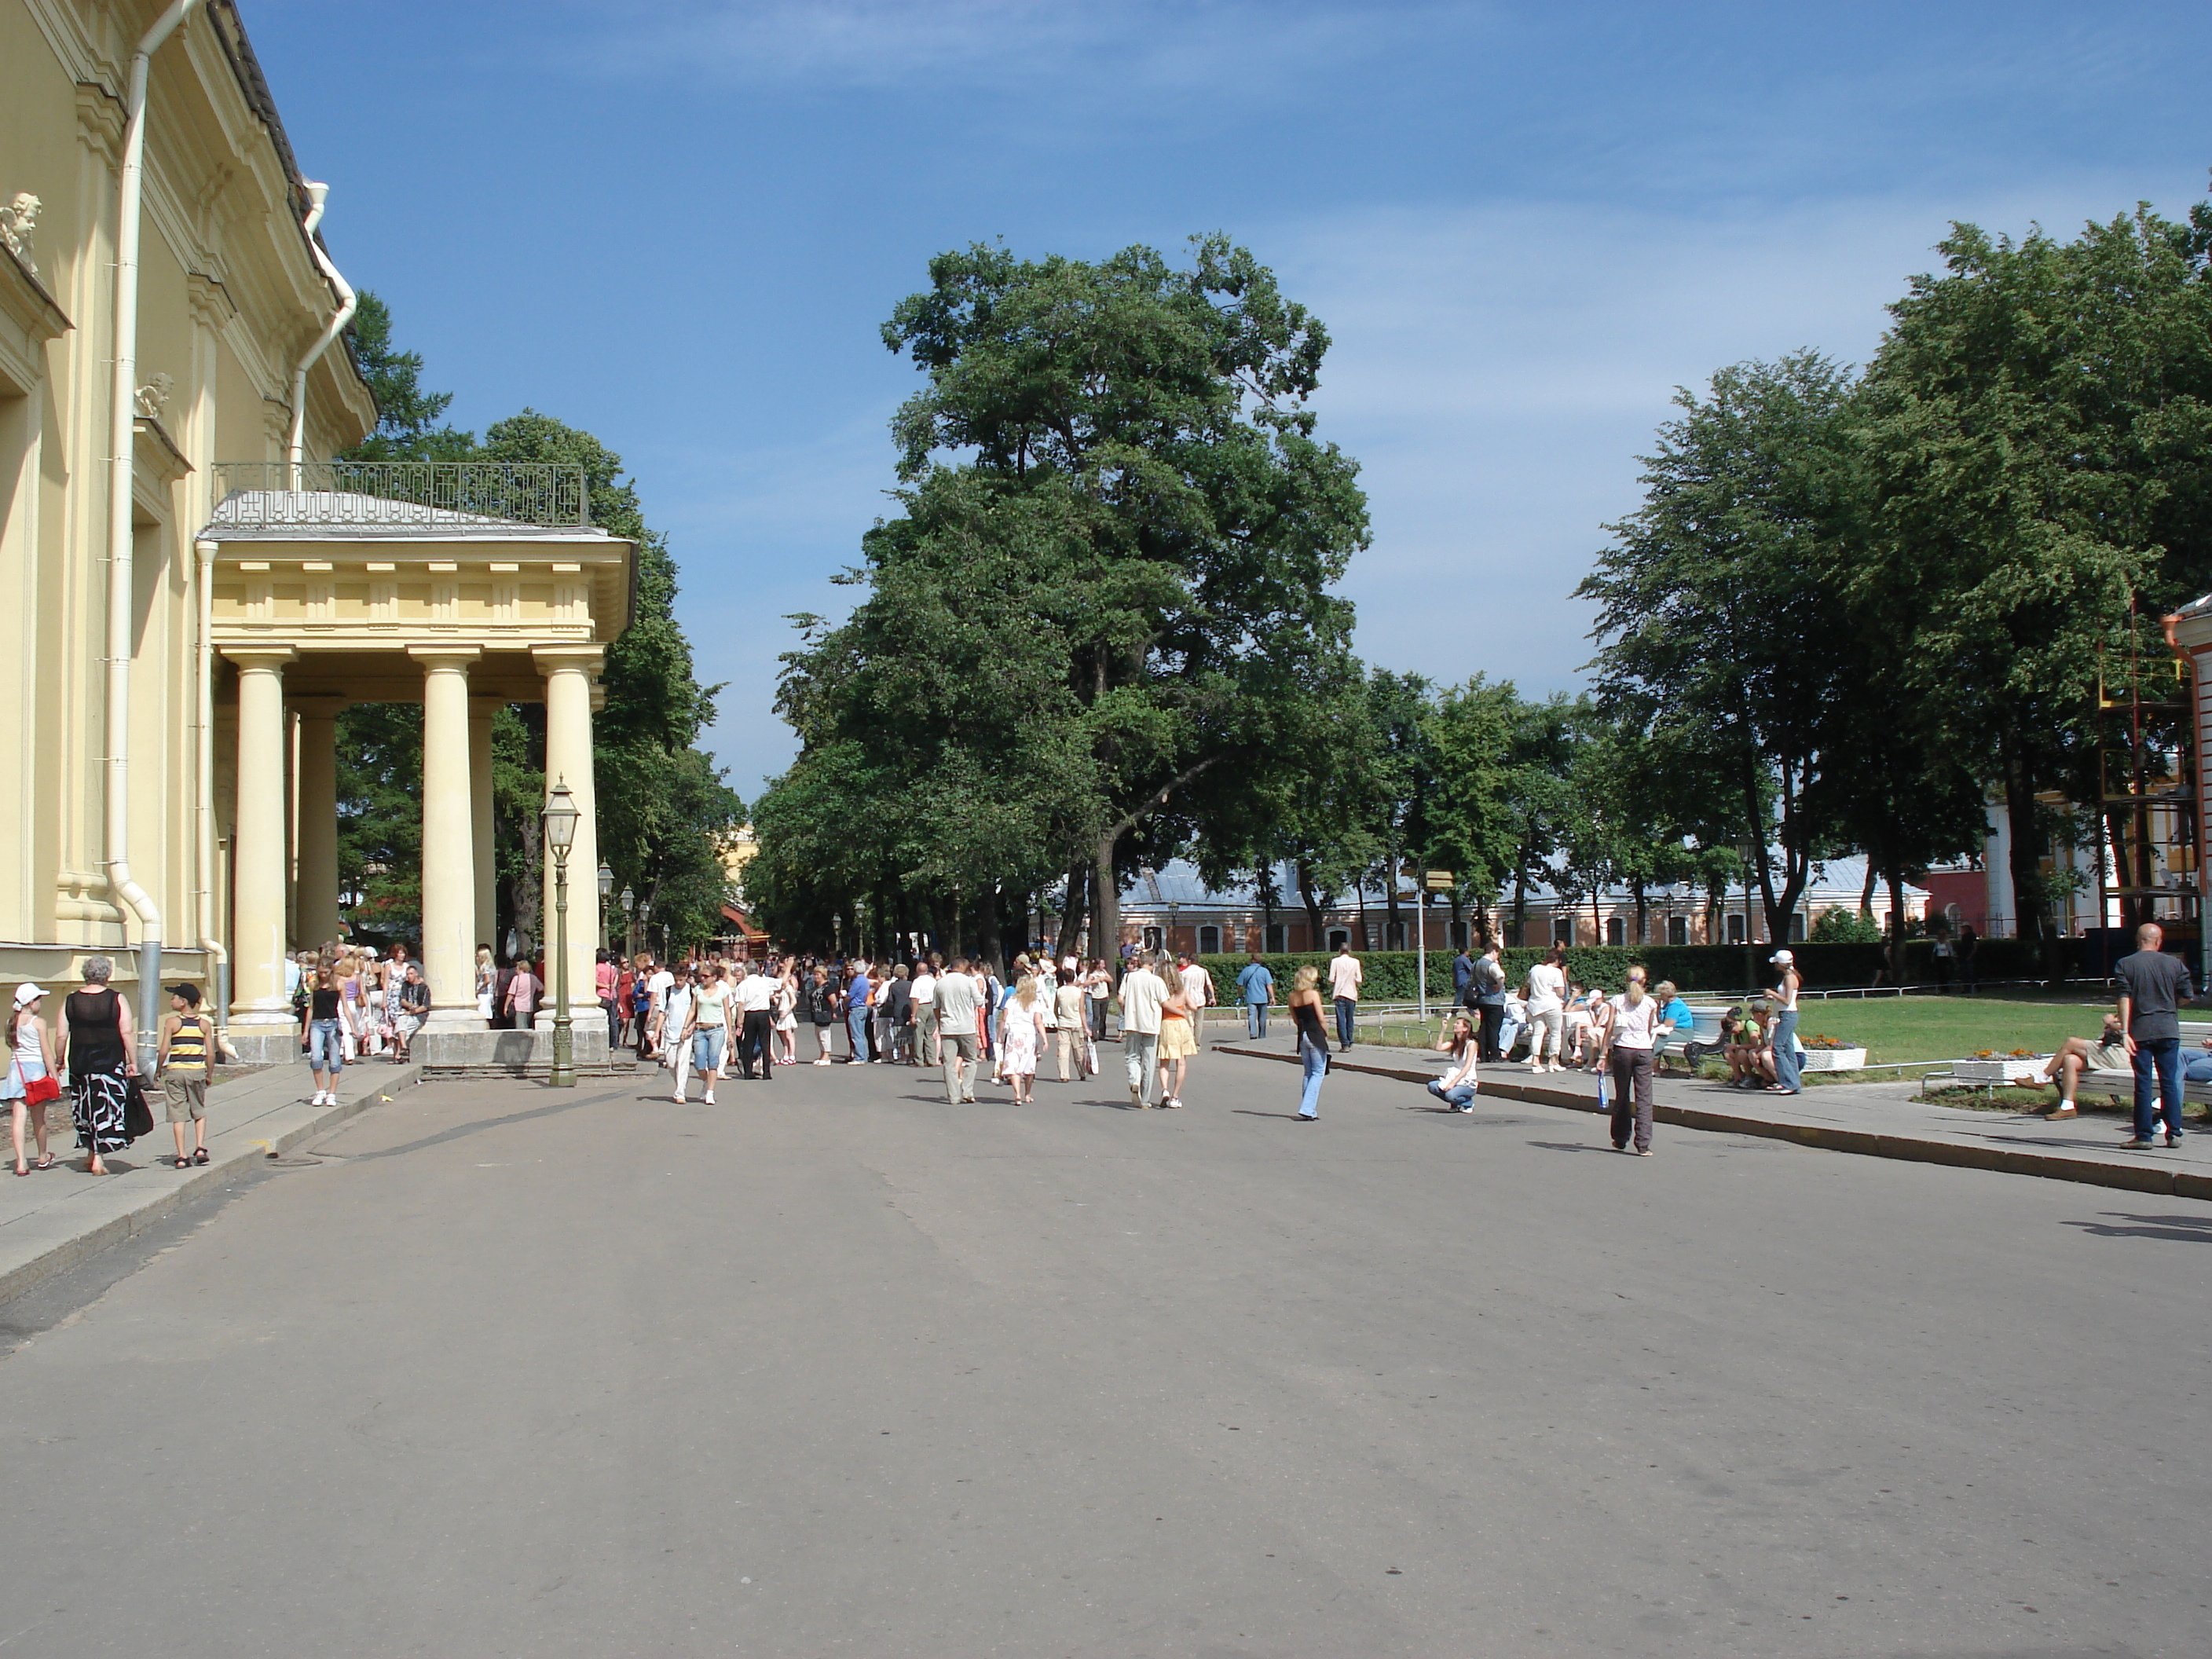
{"type": "Point", "coordinates": [455, 497]}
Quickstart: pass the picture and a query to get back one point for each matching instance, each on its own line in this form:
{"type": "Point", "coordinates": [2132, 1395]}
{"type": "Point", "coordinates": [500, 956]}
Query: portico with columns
{"type": "Point", "coordinates": [323, 597]}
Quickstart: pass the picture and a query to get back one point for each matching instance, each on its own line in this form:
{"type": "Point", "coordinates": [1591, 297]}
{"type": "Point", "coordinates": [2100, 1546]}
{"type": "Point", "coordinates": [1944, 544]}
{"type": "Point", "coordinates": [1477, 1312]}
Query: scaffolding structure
{"type": "Point", "coordinates": [2149, 866]}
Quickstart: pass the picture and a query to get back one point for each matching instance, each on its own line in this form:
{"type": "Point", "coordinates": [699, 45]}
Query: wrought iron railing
{"type": "Point", "coordinates": [453, 495]}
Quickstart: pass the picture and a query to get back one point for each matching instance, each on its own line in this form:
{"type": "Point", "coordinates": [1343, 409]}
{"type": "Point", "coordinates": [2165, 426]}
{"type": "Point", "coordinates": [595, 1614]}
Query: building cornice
{"type": "Point", "coordinates": [29, 317]}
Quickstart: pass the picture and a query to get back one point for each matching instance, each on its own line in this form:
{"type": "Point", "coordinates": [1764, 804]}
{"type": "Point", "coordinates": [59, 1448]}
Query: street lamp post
{"type": "Point", "coordinates": [606, 892]}
{"type": "Point", "coordinates": [560, 820]}
{"type": "Point", "coordinates": [630, 921]}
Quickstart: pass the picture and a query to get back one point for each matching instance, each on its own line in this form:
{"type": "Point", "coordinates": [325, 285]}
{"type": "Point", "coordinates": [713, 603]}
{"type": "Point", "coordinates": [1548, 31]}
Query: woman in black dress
{"type": "Point", "coordinates": [98, 1050]}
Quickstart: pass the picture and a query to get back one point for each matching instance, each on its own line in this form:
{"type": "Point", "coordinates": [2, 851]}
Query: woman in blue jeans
{"type": "Point", "coordinates": [1455, 1088]}
{"type": "Point", "coordinates": [325, 1050]}
{"type": "Point", "coordinates": [1786, 1077]}
{"type": "Point", "coordinates": [1313, 1041]}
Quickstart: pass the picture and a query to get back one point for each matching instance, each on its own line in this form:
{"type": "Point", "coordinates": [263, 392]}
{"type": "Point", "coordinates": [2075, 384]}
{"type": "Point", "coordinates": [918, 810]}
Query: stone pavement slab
{"type": "Point", "coordinates": [1879, 1120]}
{"type": "Point", "coordinates": [54, 1218]}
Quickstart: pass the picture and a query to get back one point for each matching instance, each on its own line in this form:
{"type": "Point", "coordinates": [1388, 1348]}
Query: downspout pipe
{"type": "Point", "coordinates": [211, 940]}
{"type": "Point", "coordinates": [317, 194]}
{"type": "Point", "coordinates": [121, 592]}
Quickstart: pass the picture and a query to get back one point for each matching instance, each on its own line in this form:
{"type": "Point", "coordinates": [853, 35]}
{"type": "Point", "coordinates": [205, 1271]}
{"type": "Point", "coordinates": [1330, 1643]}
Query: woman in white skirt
{"type": "Point", "coordinates": [30, 1070]}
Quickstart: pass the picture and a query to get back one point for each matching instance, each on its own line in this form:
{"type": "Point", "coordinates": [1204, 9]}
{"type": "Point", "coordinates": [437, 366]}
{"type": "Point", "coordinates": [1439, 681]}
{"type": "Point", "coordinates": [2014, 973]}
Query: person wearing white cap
{"type": "Point", "coordinates": [30, 1070]}
{"type": "Point", "coordinates": [1783, 998]}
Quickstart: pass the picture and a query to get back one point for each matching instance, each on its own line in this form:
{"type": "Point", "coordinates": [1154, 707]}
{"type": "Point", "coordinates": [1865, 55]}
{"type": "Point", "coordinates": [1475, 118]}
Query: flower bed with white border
{"type": "Point", "coordinates": [2001, 1068]}
{"type": "Point", "coordinates": [1832, 1059]}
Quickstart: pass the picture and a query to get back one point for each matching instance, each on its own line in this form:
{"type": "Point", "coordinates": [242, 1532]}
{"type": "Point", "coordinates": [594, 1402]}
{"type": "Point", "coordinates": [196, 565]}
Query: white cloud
{"type": "Point", "coordinates": [1229, 48]}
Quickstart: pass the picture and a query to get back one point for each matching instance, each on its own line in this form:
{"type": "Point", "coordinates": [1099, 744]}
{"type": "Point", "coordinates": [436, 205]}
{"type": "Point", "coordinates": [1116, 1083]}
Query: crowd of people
{"type": "Point", "coordinates": [697, 1014]}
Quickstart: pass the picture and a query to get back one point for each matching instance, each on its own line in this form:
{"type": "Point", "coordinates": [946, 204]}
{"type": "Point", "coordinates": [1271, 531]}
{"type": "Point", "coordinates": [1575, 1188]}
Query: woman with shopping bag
{"type": "Point", "coordinates": [32, 1082]}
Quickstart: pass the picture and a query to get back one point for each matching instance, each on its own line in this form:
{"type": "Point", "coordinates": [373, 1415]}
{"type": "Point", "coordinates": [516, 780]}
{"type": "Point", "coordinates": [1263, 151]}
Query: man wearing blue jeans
{"type": "Point", "coordinates": [1345, 976]}
{"type": "Point", "coordinates": [1256, 986]}
{"type": "Point", "coordinates": [2153, 987]}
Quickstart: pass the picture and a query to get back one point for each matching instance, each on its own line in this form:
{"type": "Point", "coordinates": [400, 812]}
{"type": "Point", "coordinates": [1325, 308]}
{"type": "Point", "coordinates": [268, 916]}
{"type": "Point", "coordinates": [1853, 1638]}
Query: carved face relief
{"type": "Point", "coordinates": [154, 396]}
{"type": "Point", "coordinates": [16, 222]}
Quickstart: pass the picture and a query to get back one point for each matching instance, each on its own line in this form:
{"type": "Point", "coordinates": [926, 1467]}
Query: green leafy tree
{"type": "Point", "coordinates": [2038, 424]}
{"type": "Point", "coordinates": [1114, 461]}
{"type": "Point", "coordinates": [1717, 607]}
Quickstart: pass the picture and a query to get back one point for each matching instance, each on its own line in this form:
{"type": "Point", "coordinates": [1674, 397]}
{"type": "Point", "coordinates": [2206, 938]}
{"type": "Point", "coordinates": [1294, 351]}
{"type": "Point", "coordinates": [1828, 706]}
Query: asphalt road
{"type": "Point", "coordinates": [834, 1368]}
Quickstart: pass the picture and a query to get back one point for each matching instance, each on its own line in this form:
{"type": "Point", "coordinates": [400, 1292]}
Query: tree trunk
{"type": "Point", "coordinates": [1521, 905]}
{"type": "Point", "coordinates": [1392, 922]}
{"type": "Point", "coordinates": [2025, 865]}
{"type": "Point", "coordinates": [528, 889]}
{"type": "Point", "coordinates": [1866, 892]}
{"type": "Point", "coordinates": [1897, 927]}
{"type": "Point", "coordinates": [1643, 913]}
{"type": "Point", "coordinates": [987, 942]}
{"type": "Point", "coordinates": [1312, 901]}
{"type": "Point", "coordinates": [1070, 914]}
{"type": "Point", "coordinates": [1106, 906]}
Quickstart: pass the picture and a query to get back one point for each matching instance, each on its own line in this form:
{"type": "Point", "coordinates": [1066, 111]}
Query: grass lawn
{"type": "Point", "coordinates": [1898, 1031]}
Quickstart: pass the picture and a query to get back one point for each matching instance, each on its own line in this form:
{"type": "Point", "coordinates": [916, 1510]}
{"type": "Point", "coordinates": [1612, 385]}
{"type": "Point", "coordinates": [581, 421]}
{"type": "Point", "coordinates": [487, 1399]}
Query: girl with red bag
{"type": "Point", "coordinates": [30, 1081]}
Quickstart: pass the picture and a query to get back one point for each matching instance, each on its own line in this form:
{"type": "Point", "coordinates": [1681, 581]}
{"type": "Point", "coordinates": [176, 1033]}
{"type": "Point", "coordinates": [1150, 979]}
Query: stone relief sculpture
{"type": "Point", "coordinates": [154, 396]}
{"type": "Point", "coordinates": [16, 222]}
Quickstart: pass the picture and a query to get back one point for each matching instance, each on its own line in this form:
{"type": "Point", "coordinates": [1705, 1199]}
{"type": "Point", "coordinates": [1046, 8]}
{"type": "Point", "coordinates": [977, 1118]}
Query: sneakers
{"type": "Point", "coordinates": [1174, 1102]}
{"type": "Point", "coordinates": [709, 1100]}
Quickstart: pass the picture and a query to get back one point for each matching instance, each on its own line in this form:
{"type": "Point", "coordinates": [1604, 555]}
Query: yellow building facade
{"type": "Point", "coordinates": [174, 684]}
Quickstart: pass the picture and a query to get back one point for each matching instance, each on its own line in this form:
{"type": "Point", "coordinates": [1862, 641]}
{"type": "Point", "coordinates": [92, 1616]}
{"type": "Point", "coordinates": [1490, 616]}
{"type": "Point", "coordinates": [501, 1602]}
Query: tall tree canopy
{"type": "Point", "coordinates": [2038, 428]}
{"type": "Point", "coordinates": [1113, 460]}
{"type": "Point", "coordinates": [1717, 605]}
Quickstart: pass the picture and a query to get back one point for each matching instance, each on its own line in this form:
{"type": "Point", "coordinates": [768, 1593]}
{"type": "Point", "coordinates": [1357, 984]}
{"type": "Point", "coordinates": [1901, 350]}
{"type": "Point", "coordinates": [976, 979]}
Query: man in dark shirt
{"type": "Point", "coordinates": [2153, 987]}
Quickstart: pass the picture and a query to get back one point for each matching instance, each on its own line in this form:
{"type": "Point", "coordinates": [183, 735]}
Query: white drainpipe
{"type": "Point", "coordinates": [123, 407]}
{"type": "Point", "coordinates": [316, 196]}
{"type": "Point", "coordinates": [217, 956]}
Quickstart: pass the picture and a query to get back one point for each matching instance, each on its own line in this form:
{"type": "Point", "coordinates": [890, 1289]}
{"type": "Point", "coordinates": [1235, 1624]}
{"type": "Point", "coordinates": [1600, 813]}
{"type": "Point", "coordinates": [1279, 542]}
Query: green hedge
{"type": "Point", "coordinates": [1727, 969]}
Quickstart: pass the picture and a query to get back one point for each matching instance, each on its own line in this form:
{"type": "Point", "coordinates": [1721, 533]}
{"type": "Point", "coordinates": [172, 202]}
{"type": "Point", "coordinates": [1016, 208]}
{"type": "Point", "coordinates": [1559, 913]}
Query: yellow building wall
{"type": "Point", "coordinates": [229, 299]}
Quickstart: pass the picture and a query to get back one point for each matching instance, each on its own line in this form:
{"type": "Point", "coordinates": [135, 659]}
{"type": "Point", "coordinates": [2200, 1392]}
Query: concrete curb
{"type": "Point", "coordinates": [2005, 1160]}
{"type": "Point", "coordinates": [247, 1152]}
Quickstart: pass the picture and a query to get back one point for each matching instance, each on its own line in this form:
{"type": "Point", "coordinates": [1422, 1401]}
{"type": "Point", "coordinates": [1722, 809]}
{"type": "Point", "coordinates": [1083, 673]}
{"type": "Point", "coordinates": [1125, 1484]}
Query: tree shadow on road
{"type": "Point", "coordinates": [2188, 1229]}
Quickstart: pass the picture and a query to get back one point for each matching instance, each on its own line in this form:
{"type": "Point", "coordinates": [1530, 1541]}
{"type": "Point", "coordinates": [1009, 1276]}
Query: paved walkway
{"type": "Point", "coordinates": [1880, 1119]}
{"type": "Point", "coordinates": [54, 1219]}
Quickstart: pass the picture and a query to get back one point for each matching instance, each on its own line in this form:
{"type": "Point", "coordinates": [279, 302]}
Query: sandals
{"type": "Point", "coordinates": [199, 1155]}
{"type": "Point", "coordinates": [46, 1161]}
{"type": "Point", "coordinates": [21, 1167]}
{"type": "Point", "coordinates": [181, 1162]}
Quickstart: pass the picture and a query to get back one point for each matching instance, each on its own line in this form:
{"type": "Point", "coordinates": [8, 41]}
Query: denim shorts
{"type": "Point", "coordinates": [706, 1048]}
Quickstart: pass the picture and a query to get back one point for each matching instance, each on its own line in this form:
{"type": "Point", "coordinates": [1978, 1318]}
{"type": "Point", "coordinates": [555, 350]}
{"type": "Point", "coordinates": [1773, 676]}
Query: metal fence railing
{"type": "Point", "coordinates": [454, 495]}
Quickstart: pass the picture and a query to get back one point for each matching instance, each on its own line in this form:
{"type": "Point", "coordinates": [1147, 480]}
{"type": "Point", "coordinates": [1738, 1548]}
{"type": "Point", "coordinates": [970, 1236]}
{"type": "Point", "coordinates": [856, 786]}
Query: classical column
{"type": "Point", "coordinates": [569, 669]}
{"type": "Point", "coordinates": [482, 710]}
{"type": "Point", "coordinates": [258, 884]}
{"type": "Point", "coordinates": [449, 857]}
{"type": "Point", "coordinates": [315, 904]}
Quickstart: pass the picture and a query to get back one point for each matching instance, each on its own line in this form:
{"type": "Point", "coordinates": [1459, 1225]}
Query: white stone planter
{"type": "Point", "coordinates": [1832, 1059]}
{"type": "Point", "coordinates": [2003, 1069]}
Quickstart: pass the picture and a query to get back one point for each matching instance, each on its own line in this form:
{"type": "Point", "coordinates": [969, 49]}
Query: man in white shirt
{"type": "Point", "coordinates": [755, 995]}
{"type": "Point", "coordinates": [1197, 990]}
{"type": "Point", "coordinates": [1345, 976]}
{"type": "Point", "coordinates": [1143, 994]}
{"type": "Point", "coordinates": [675, 1005]}
{"type": "Point", "coordinates": [1548, 997]}
{"type": "Point", "coordinates": [656, 985]}
{"type": "Point", "coordinates": [924, 1014]}
{"type": "Point", "coordinates": [957, 998]}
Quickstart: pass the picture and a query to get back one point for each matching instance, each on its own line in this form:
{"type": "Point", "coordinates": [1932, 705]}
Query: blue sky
{"type": "Point", "coordinates": [681, 224]}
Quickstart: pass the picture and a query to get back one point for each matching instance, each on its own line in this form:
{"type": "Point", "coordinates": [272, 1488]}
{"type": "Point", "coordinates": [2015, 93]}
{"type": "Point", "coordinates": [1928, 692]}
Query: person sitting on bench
{"type": "Point", "coordinates": [2109, 1053]}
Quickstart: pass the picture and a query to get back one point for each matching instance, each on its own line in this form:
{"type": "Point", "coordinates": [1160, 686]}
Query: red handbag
{"type": "Point", "coordinates": [40, 1089]}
